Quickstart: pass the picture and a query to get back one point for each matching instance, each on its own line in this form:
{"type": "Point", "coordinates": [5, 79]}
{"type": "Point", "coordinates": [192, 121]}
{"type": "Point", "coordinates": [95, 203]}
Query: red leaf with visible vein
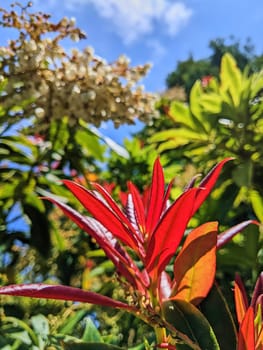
{"type": "Point", "coordinates": [246, 336]}
{"type": "Point", "coordinates": [208, 183]}
{"type": "Point", "coordinates": [156, 197]}
{"type": "Point", "coordinates": [227, 235]}
{"type": "Point", "coordinates": [169, 232]}
{"type": "Point", "coordinates": [59, 292]}
{"type": "Point", "coordinates": [195, 266]}
{"type": "Point", "coordinates": [241, 302]}
{"type": "Point", "coordinates": [114, 206]}
{"type": "Point", "coordinates": [105, 240]}
{"type": "Point", "coordinates": [138, 205]}
{"type": "Point", "coordinates": [103, 214]}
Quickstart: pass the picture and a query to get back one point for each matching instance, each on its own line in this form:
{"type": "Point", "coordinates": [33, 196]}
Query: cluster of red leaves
{"type": "Point", "coordinates": [250, 317]}
{"type": "Point", "coordinates": [141, 239]}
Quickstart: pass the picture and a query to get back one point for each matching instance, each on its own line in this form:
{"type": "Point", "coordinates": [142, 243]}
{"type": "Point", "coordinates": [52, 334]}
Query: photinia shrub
{"type": "Point", "coordinates": [141, 240]}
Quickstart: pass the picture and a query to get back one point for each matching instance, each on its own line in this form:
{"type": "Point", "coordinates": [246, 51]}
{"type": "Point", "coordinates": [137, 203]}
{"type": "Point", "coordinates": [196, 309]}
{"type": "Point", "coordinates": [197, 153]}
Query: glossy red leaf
{"type": "Point", "coordinates": [103, 214]}
{"type": "Point", "coordinates": [156, 197]}
{"type": "Point", "coordinates": [169, 232]}
{"type": "Point", "coordinates": [105, 240]}
{"type": "Point", "coordinates": [246, 336]}
{"type": "Point", "coordinates": [60, 292]}
{"type": "Point", "coordinates": [227, 235]}
{"type": "Point", "coordinates": [113, 205]}
{"type": "Point", "coordinates": [138, 206]}
{"type": "Point", "coordinates": [240, 296]}
{"type": "Point", "coordinates": [208, 183]}
{"type": "Point", "coordinates": [195, 266]}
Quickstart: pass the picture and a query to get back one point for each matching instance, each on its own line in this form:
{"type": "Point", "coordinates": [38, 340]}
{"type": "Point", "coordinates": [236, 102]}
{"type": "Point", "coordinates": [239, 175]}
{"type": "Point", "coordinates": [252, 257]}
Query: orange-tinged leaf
{"type": "Point", "coordinates": [194, 268]}
{"type": "Point", "coordinates": [241, 301]}
{"type": "Point", "coordinates": [246, 336]}
{"type": "Point", "coordinates": [259, 342]}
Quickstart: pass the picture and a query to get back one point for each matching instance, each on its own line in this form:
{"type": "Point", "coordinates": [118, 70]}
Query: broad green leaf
{"type": "Point", "coordinates": [242, 174]}
{"type": "Point", "coordinates": [187, 319]}
{"type": "Point", "coordinates": [211, 103]}
{"type": "Point", "coordinates": [221, 320]}
{"type": "Point", "coordinates": [231, 77]}
{"type": "Point", "coordinates": [91, 333]}
{"type": "Point", "coordinates": [90, 145]}
{"type": "Point", "coordinates": [197, 114]}
{"type": "Point", "coordinates": [40, 325]}
{"type": "Point", "coordinates": [257, 203]}
{"type": "Point", "coordinates": [180, 113]}
{"type": "Point", "coordinates": [194, 267]}
{"type": "Point", "coordinates": [183, 135]}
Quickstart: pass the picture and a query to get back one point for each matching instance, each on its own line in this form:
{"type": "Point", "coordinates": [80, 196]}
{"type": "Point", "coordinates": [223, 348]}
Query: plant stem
{"type": "Point", "coordinates": [160, 333]}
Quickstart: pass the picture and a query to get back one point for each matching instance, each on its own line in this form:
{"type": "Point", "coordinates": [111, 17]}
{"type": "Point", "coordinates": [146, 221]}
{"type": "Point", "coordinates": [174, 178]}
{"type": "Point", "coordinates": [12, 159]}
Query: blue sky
{"type": "Point", "coordinates": [159, 31]}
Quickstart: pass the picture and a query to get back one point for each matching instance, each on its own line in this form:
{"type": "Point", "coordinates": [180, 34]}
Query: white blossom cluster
{"type": "Point", "coordinates": [42, 80]}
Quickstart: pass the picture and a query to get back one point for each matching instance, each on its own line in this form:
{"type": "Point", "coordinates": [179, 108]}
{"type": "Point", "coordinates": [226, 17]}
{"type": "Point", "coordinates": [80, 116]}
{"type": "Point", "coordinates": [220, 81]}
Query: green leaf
{"type": "Point", "coordinates": [231, 78]}
{"type": "Point", "coordinates": [221, 320]}
{"type": "Point", "coordinates": [90, 346]}
{"type": "Point", "coordinates": [91, 333]}
{"type": "Point", "coordinates": [40, 325]}
{"type": "Point", "coordinates": [187, 319]}
{"type": "Point", "coordinates": [257, 203]}
{"type": "Point", "coordinates": [71, 322]}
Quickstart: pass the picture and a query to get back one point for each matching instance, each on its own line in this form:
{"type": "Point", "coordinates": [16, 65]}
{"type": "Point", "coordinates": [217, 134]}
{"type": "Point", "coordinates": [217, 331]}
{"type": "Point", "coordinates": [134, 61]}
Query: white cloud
{"type": "Point", "coordinates": [132, 19]}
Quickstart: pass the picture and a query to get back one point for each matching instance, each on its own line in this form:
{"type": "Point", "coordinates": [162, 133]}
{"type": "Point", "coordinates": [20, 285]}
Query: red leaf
{"type": "Point", "coordinates": [246, 336]}
{"type": "Point", "coordinates": [156, 197]}
{"type": "Point", "coordinates": [195, 266]}
{"type": "Point", "coordinates": [59, 292]}
{"type": "Point", "coordinates": [105, 240]}
{"type": "Point", "coordinates": [169, 232]}
{"type": "Point", "coordinates": [208, 183]}
{"type": "Point", "coordinates": [103, 214]}
{"type": "Point", "coordinates": [241, 302]}
{"type": "Point", "coordinates": [139, 208]}
{"type": "Point", "coordinates": [114, 206]}
{"type": "Point", "coordinates": [227, 235]}
{"type": "Point", "coordinates": [258, 291]}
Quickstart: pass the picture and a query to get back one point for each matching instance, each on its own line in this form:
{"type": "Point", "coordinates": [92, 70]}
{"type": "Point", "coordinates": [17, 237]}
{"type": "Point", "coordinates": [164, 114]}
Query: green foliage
{"type": "Point", "coordinates": [190, 70]}
{"type": "Point", "coordinates": [223, 119]}
{"type": "Point", "coordinates": [187, 319]}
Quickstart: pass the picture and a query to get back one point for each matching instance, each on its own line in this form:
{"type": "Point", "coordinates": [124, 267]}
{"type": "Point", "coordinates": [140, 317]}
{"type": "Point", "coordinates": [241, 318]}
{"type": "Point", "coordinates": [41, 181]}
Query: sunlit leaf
{"type": "Point", "coordinates": [241, 301]}
{"type": "Point", "coordinates": [246, 337]}
{"type": "Point", "coordinates": [195, 266]}
{"type": "Point", "coordinates": [102, 213]}
{"type": "Point", "coordinates": [187, 319]}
